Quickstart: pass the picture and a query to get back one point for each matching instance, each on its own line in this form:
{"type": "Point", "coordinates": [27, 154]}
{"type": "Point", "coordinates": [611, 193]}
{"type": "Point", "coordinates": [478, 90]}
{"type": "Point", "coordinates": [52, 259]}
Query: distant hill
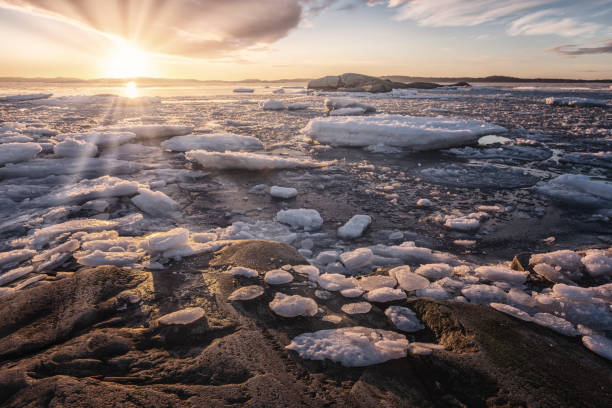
{"type": "Point", "coordinates": [493, 78]}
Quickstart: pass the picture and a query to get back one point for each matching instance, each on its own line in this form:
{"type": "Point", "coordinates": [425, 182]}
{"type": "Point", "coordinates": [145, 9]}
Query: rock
{"type": "Point", "coordinates": [351, 82]}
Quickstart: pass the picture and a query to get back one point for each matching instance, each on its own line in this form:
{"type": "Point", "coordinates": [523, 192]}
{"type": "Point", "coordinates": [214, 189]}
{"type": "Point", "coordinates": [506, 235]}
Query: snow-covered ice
{"type": "Point", "coordinates": [163, 241]}
{"type": "Point", "coordinates": [284, 193]}
{"type": "Point", "coordinates": [247, 293]}
{"type": "Point", "coordinates": [408, 280]}
{"type": "Point", "coordinates": [384, 294]}
{"type": "Point", "coordinates": [598, 262]}
{"type": "Point", "coordinates": [155, 203]}
{"type": "Point", "coordinates": [308, 219]}
{"type": "Point", "coordinates": [573, 101]}
{"type": "Point", "coordinates": [157, 131]}
{"type": "Point", "coordinates": [183, 317]}
{"type": "Point", "coordinates": [243, 271]}
{"type": "Point", "coordinates": [75, 148]}
{"type": "Point", "coordinates": [356, 308]}
{"type": "Point", "coordinates": [434, 271]}
{"type": "Point", "coordinates": [335, 104]}
{"type": "Point", "coordinates": [277, 277]}
{"type": "Point", "coordinates": [273, 104]}
{"type": "Point", "coordinates": [598, 344]}
{"type": "Point", "coordinates": [578, 190]}
{"type": "Point", "coordinates": [247, 161]}
{"type": "Point", "coordinates": [413, 132]}
{"type": "Point", "coordinates": [218, 142]}
{"type": "Point", "coordinates": [404, 319]}
{"type": "Point", "coordinates": [355, 227]}
{"type": "Point", "coordinates": [336, 282]}
{"type": "Point", "coordinates": [351, 346]}
{"type": "Point", "coordinates": [293, 306]}
{"type": "Point", "coordinates": [501, 273]}
{"type": "Point", "coordinates": [18, 152]}
{"type": "Point", "coordinates": [358, 259]}
{"type": "Point", "coordinates": [372, 282]}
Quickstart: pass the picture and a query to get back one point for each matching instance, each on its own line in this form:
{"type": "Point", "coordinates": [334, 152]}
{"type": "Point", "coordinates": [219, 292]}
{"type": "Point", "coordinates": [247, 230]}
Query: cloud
{"type": "Point", "coordinates": [455, 13]}
{"type": "Point", "coordinates": [192, 28]}
{"type": "Point", "coordinates": [547, 22]}
{"type": "Point", "coordinates": [573, 50]}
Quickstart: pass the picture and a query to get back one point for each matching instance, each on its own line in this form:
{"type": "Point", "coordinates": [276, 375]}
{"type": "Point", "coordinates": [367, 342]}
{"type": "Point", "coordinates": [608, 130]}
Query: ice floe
{"type": "Point", "coordinates": [244, 272]}
{"type": "Point", "coordinates": [155, 203]}
{"type": "Point", "coordinates": [404, 319]}
{"type": "Point", "coordinates": [219, 142]}
{"type": "Point", "coordinates": [599, 345]}
{"type": "Point", "coordinates": [293, 306]}
{"type": "Point", "coordinates": [75, 148]}
{"type": "Point", "coordinates": [356, 308]}
{"type": "Point", "coordinates": [384, 294]}
{"type": "Point", "coordinates": [247, 161]}
{"type": "Point", "coordinates": [355, 227]}
{"type": "Point", "coordinates": [336, 282]}
{"type": "Point", "coordinates": [157, 131]}
{"type": "Point", "coordinates": [501, 273]}
{"type": "Point", "coordinates": [572, 101]}
{"type": "Point", "coordinates": [183, 317]}
{"type": "Point", "coordinates": [578, 190]}
{"type": "Point", "coordinates": [284, 193]}
{"type": "Point", "coordinates": [277, 277]}
{"type": "Point", "coordinates": [434, 271]}
{"type": "Point", "coordinates": [347, 106]}
{"type": "Point", "coordinates": [247, 293]}
{"type": "Point", "coordinates": [479, 176]}
{"type": "Point", "coordinates": [408, 280]}
{"type": "Point", "coordinates": [413, 132]}
{"type": "Point", "coordinates": [308, 219]}
{"type": "Point", "coordinates": [273, 104]}
{"type": "Point", "coordinates": [351, 346]}
{"type": "Point", "coordinates": [18, 152]}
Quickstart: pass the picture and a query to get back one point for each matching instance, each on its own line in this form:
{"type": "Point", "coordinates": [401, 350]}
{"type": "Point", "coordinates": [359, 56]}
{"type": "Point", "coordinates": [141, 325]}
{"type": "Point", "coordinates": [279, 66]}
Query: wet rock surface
{"type": "Point", "coordinates": [93, 339]}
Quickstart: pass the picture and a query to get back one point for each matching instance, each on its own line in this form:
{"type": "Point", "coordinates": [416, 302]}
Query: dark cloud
{"type": "Point", "coordinates": [194, 28]}
{"type": "Point", "coordinates": [574, 50]}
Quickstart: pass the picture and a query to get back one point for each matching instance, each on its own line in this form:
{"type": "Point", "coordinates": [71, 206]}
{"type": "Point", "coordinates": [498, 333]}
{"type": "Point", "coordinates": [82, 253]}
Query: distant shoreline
{"type": "Point", "coordinates": [398, 78]}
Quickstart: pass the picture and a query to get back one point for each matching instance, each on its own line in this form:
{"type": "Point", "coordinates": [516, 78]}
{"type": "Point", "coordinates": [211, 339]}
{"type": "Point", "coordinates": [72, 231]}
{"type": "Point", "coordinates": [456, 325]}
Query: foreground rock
{"type": "Point", "coordinates": [91, 339]}
{"type": "Point", "coordinates": [350, 82]}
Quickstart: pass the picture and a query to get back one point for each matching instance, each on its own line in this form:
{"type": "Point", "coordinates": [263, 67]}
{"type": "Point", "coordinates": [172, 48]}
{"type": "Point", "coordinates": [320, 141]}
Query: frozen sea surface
{"type": "Point", "coordinates": [81, 200]}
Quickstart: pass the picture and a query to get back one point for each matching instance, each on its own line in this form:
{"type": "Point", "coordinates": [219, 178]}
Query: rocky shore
{"type": "Point", "coordinates": [110, 336]}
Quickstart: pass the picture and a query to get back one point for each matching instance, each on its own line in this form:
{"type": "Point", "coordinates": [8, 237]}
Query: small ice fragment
{"type": "Point", "coordinates": [183, 317]}
{"type": "Point", "coordinates": [244, 272]}
{"type": "Point", "coordinates": [408, 280]}
{"type": "Point", "coordinates": [283, 192]}
{"type": "Point", "coordinates": [246, 293]}
{"type": "Point", "coordinates": [354, 227]}
{"type": "Point", "coordinates": [273, 104]}
{"type": "Point", "coordinates": [434, 271]}
{"type": "Point", "coordinates": [307, 219]}
{"type": "Point", "coordinates": [293, 306]}
{"type": "Point", "coordinates": [384, 294]}
{"type": "Point", "coordinates": [154, 203]}
{"type": "Point", "coordinates": [277, 277]}
{"type": "Point", "coordinates": [357, 259]}
{"type": "Point", "coordinates": [356, 308]}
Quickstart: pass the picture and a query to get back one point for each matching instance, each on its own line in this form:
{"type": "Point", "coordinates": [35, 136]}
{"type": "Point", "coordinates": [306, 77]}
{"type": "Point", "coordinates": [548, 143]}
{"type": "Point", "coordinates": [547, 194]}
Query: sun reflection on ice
{"type": "Point", "coordinates": [131, 91]}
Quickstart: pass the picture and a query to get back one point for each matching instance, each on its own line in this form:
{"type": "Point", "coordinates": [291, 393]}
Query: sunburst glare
{"type": "Point", "coordinates": [128, 61]}
{"type": "Point", "coordinates": [131, 90]}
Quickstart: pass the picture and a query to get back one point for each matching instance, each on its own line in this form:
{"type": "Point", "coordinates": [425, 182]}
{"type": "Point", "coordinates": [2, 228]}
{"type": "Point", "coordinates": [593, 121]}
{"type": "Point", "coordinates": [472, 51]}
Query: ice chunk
{"type": "Point", "coordinates": [298, 106]}
{"type": "Point", "coordinates": [404, 319]}
{"type": "Point", "coordinates": [244, 272]}
{"type": "Point", "coordinates": [333, 104]}
{"type": "Point", "coordinates": [25, 97]}
{"type": "Point", "coordinates": [478, 175]}
{"type": "Point", "coordinates": [354, 227]}
{"type": "Point", "coordinates": [163, 241]}
{"type": "Point", "coordinates": [352, 292]}
{"type": "Point", "coordinates": [407, 280]}
{"type": "Point", "coordinates": [293, 306]}
{"type": "Point", "coordinates": [91, 166]}
{"type": "Point", "coordinates": [356, 308]}
{"type": "Point", "coordinates": [283, 192]}
{"type": "Point", "coordinates": [376, 281]}
{"type": "Point", "coordinates": [424, 202]}
{"type": "Point", "coordinates": [243, 90]}
{"type": "Point", "coordinates": [97, 258]}
{"type": "Point", "coordinates": [598, 344]}
{"type": "Point", "coordinates": [18, 152]}
{"type": "Point", "coordinates": [183, 317]}
{"type": "Point", "coordinates": [418, 133]}
{"type": "Point", "coordinates": [90, 189]}
{"type": "Point", "coordinates": [572, 292]}
{"type": "Point", "coordinates": [194, 248]}
{"type": "Point", "coordinates": [335, 319]}
{"type": "Point", "coordinates": [578, 190]}
{"type": "Point", "coordinates": [247, 293]}
{"type": "Point", "coordinates": [273, 104]}
{"type": "Point", "coordinates": [566, 259]}
{"type": "Point", "coordinates": [351, 346]}
{"type": "Point", "coordinates": [574, 101]}
{"type": "Point", "coordinates": [277, 277]}
{"type": "Point", "coordinates": [555, 323]}
{"type": "Point", "coordinates": [14, 274]}
{"type": "Point", "coordinates": [598, 262]}
{"type": "Point", "coordinates": [462, 223]}
{"type": "Point", "coordinates": [247, 161]}
{"type": "Point", "coordinates": [155, 203]}
{"type": "Point", "coordinates": [312, 272]}
{"type": "Point", "coordinates": [424, 349]}
{"type": "Point", "coordinates": [307, 219]}
{"type": "Point", "coordinates": [157, 131]}
{"type": "Point", "coordinates": [75, 148]}
{"type": "Point", "coordinates": [100, 139]}
{"type": "Point", "coordinates": [501, 273]}
{"type": "Point", "coordinates": [357, 259]}
{"type": "Point", "coordinates": [347, 112]}
{"type": "Point", "coordinates": [484, 294]}
{"type": "Point", "coordinates": [219, 142]}
{"type": "Point", "coordinates": [335, 282]}
{"type": "Point", "coordinates": [384, 295]}
{"type": "Point", "coordinates": [434, 271]}
{"type": "Point", "coordinates": [432, 291]}
{"type": "Point", "coordinates": [16, 255]}
{"type": "Point", "coordinates": [326, 257]}
{"type": "Point", "coordinates": [512, 311]}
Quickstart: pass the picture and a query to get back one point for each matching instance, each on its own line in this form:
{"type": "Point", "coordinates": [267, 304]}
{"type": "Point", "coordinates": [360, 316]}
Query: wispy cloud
{"type": "Point", "coordinates": [194, 28]}
{"type": "Point", "coordinates": [546, 22]}
{"type": "Point", "coordinates": [600, 47]}
{"type": "Point", "coordinates": [455, 13]}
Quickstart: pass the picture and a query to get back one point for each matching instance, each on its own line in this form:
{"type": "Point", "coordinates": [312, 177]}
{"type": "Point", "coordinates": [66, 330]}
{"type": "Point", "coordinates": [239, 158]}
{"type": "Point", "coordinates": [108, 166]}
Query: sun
{"type": "Point", "coordinates": [131, 91]}
{"type": "Point", "coordinates": [127, 61]}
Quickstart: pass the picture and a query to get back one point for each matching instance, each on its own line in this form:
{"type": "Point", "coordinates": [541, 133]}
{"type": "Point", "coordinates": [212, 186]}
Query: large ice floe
{"type": "Point", "coordinates": [247, 161]}
{"type": "Point", "coordinates": [218, 142]}
{"type": "Point", "coordinates": [18, 152]}
{"type": "Point", "coordinates": [479, 176]}
{"type": "Point", "coordinates": [25, 97]}
{"type": "Point", "coordinates": [578, 190]}
{"type": "Point", "coordinates": [412, 132]}
{"type": "Point", "coordinates": [351, 346]}
{"type": "Point", "coordinates": [572, 101]}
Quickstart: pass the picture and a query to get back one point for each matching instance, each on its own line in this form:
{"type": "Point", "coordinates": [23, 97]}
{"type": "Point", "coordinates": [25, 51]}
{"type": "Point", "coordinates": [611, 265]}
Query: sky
{"type": "Point", "coordinates": [274, 39]}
